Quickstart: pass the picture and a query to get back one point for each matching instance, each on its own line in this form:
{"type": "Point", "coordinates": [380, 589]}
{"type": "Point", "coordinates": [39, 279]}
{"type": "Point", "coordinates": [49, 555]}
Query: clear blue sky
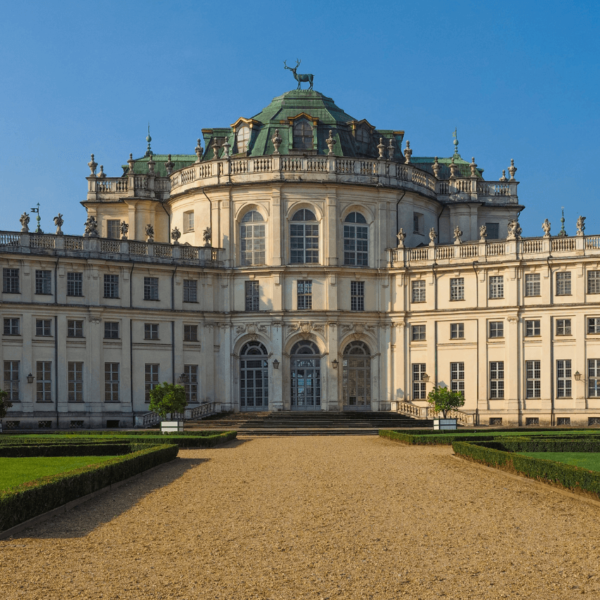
{"type": "Point", "coordinates": [519, 79]}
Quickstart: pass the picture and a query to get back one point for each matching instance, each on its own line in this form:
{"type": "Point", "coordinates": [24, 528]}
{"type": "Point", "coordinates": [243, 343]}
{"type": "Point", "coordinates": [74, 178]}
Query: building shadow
{"type": "Point", "coordinates": [106, 506]}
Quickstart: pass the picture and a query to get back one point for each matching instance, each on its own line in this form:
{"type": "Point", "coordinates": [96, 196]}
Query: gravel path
{"type": "Point", "coordinates": [313, 517]}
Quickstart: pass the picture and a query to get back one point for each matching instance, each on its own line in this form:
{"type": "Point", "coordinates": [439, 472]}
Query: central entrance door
{"type": "Point", "coordinates": [306, 376]}
{"type": "Point", "coordinates": [254, 377]}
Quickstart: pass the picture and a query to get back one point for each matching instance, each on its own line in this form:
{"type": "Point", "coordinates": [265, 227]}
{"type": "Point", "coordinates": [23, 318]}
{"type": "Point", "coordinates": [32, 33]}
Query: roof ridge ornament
{"type": "Point", "coordinates": [198, 151]}
{"type": "Point", "coordinates": [562, 232]}
{"type": "Point", "coordinates": [455, 142]}
{"type": "Point", "coordinates": [407, 152]}
{"type": "Point", "coordinates": [148, 139]}
{"type": "Point", "coordinates": [307, 78]}
{"type": "Point", "coordinates": [512, 169]}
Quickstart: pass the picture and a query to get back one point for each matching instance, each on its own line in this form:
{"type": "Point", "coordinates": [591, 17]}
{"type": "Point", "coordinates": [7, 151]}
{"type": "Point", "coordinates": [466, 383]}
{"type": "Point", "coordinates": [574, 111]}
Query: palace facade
{"type": "Point", "coordinates": [301, 260]}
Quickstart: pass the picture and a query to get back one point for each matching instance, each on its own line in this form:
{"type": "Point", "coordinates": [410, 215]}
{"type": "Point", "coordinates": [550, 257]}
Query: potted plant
{"type": "Point", "coordinates": [443, 400]}
{"type": "Point", "coordinates": [166, 399]}
{"type": "Point", "coordinates": [5, 404]}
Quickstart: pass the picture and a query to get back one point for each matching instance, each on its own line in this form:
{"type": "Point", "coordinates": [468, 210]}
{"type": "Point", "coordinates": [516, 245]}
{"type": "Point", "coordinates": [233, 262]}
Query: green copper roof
{"type": "Point", "coordinates": [141, 164]}
{"type": "Point", "coordinates": [426, 163]}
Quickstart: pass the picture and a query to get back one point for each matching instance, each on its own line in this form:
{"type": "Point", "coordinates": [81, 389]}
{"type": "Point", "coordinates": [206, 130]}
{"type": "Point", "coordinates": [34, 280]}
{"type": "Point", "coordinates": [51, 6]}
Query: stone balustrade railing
{"type": "Point", "coordinates": [426, 412]}
{"type": "Point", "coordinates": [497, 250]}
{"type": "Point", "coordinates": [110, 189]}
{"type": "Point", "coordinates": [66, 245]}
{"type": "Point", "coordinates": [190, 414]}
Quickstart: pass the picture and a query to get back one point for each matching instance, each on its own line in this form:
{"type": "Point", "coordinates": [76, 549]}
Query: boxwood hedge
{"type": "Point", "coordinates": [567, 476]}
{"type": "Point", "coordinates": [23, 451]}
{"type": "Point", "coordinates": [34, 498]}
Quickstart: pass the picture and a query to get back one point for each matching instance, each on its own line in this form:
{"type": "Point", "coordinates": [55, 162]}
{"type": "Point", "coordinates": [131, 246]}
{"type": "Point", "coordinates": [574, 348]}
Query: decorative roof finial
{"type": "Point", "coordinates": [407, 152]}
{"type": "Point", "coordinates": [148, 139]}
{"type": "Point", "coordinates": [391, 149]}
{"type": "Point", "coordinates": [562, 232]}
{"type": "Point", "coordinates": [436, 168]}
{"type": "Point", "coordinates": [35, 210]}
{"type": "Point", "coordinates": [473, 168]}
{"type": "Point", "coordinates": [198, 151]}
{"type": "Point", "coordinates": [131, 162]}
{"type": "Point", "coordinates": [455, 142]}
{"type": "Point", "coordinates": [92, 165]}
{"type": "Point", "coordinates": [512, 169]}
{"type": "Point", "coordinates": [169, 165]}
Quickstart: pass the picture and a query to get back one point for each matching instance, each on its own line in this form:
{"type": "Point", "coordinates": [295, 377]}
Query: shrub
{"type": "Point", "coordinates": [5, 404]}
{"type": "Point", "coordinates": [22, 450]}
{"type": "Point", "coordinates": [34, 498]}
{"type": "Point", "coordinates": [167, 398]}
{"type": "Point", "coordinates": [444, 400]}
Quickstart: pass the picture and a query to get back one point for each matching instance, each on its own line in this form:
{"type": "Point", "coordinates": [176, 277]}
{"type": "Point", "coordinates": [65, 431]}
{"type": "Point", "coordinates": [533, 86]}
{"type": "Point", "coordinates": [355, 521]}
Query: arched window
{"type": "Point", "coordinates": [306, 376]}
{"type": "Point", "coordinates": [252, 235]}
{"type": "Point", "coordinates": [304, 237]}
{"type": "Point", "coordinates": [363, 137]}
{"type": "Point", "coordinates": [243, 138]}
{"type": "Point", "coordinates": [303, 136]}
{"type": "Point", "coordinates": [254, 377]}
{"type": "Point", "coordinates": [356, 240]}
{"type": "Point", "coordinates": [356, 375]}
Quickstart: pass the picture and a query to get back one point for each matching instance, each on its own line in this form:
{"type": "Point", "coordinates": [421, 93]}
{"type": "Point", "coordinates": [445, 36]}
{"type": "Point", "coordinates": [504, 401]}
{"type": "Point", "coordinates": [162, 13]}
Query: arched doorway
{"type": "Point", "coordinates": [306, 376]}
{"type": "Point", "coordinates": [254, 377]}
{"type": "Point", "coordinates": [356, 375]}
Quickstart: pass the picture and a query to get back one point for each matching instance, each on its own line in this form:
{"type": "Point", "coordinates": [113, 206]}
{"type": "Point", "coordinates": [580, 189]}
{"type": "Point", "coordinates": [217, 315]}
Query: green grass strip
{"type": "Point", "coordinates": [583, 460]}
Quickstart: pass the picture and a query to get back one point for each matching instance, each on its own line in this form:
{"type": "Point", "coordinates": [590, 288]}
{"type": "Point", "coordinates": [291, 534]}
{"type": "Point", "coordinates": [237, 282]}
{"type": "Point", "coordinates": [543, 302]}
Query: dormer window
{"type": "Point", "coordinates": [243, 139]}
{"type": "Point", "coordinates": [303, 136]}
{"type": "Point", "coordinates": [363, 138]}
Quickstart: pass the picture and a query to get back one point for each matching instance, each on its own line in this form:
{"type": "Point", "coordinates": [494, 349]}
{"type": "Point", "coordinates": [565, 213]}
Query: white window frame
{"type": "Point", "coordinates": [188, 221]}
{"type": "Point", "coordinates": [593, 377]}
{"type": "Point", "coordinates": [418, 333]}
{"type": "Point", "coordinates": [496, 287]}
{"type": "Point", "coordinates": [357, 296]}
{"type": "Point", "coordinates": [457, 289]}
{"type": "Point", "coordinates": [190, 290]}
{"type": "Point", "coordinates": [419, 291]}
{"type": "Point", "coordinates": [532, 285]}
{"type": "Point", "coordinates": [251, 296]}
{"type": "Point", "coordinates": [593, 282]}
{"type": "Point", "coordinates": [111, 381]}
{"type": "Point", "coordinates": [43, 373]}
{"type": "Point", "coordinates": [533, 328]}
{"type": "Point", "coordinates": [564, 382]}
{"type": "Point", "coordinates": [191, 383]}
{"type": "Point", "coordinates": [497, 380]}
{"type": "Point", "coordinates": [563, 283]}
{"type": "Point", "coordinates": [495, 329]}
{"type": "Point", "coordinates": [563, 327]}
{"type": "Point", "coordinates": [12, 369]}
{"type": "Point", "coordinates": [151, 379]}
{"type": "Point", "coordinates": [304, 294]}
{"type": "Point", "coordinates": [533, 379]}
{"type": "Point", "coordinates": [111, 285]}
{"type": "Point", "coordinates": [419, 388]}
{"type": "Point", "coordinates": [457, 331]}
{"type": "Point", "coordinates": [75, 381]}
{"type": "Point", "coordinates": [457, 377]}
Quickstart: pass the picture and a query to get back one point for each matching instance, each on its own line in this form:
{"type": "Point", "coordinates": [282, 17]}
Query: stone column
{"type": "Point", "coordinates": [274, 228]}
{"type": "Point", "coordinates": [330, 228]}
{"type": "Point", "coordinates": [512, 370]}
{"type": "Point", "coordinates": [276, 375]}
{"type": "Point", "coordinates": [334, 393]}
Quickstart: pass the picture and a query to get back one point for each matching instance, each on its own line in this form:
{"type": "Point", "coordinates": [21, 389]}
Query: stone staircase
{"type": "Point", "coordinates": [307, 423]}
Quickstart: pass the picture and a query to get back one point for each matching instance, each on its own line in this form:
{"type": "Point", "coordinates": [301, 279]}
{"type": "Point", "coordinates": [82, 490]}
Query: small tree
{"type": "Point", "coordinates": [444, 400]}
{"type": "Point", "coordinates": [167, 398]}
{"type": "Point", "coordinates": [5, 404]}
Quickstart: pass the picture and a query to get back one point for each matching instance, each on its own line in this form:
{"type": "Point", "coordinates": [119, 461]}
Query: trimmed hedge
{"type": "Point", "coordinates": [34, 498]}
{"type": "Point", "coordinates": [544, 445]}
{"type": "Point", "coordinates": [548, 471]}
{"type": "Point", "coordinates": [182, 440]}
{"type": "Point", "coordinates": [23, 451]}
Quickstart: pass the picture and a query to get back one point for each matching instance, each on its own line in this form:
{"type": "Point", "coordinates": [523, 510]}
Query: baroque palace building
{"type": "Point", "coordinates": [301, 260]}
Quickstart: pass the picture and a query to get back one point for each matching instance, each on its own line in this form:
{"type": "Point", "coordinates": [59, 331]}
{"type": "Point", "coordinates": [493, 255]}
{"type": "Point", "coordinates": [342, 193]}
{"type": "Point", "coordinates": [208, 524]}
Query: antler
{"type": "Point", "coordinates": [298, 61]}
{"type": "Point", "coordinates": [285, 64]}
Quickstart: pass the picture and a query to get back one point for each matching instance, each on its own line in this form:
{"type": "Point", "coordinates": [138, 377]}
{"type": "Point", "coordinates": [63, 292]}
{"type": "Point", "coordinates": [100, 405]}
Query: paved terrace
{"type": "Point", "coordinates": [313, 517]}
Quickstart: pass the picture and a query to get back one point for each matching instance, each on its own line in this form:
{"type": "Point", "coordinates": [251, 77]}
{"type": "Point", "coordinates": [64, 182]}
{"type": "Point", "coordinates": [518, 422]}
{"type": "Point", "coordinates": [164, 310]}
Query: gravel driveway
{"type": "Point", "coordinates": [313, 517]}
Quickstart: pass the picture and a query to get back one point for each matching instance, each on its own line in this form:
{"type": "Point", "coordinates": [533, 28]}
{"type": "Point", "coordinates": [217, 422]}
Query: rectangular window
{"type": "Point", "coordinates": [593, 378]}
{"type": "Point", "coordinates": [457, 331]}
{"type": "Point", "coordinates": [563, 378]}
{"type": "Point", "coordinates": [150, 331]}
{"type": "Point", "coordinates": [497, 380]}
{"type": "Point", "coordinates": [533, 379]}
{"type": "Point", "coordinates": [563, 326]}
{"type": "Point", "coordinates": [357, 295]}
{"type": "Point", "coordinates": [593, 282]}
{"type": "Point", "coordinates": [74, 284]}
{"type": "Point", "coordinates": [304, 295]}
{"type": "Point", "coordinates": [151, 380]}
{"type": "Point", "coordinates": [11, 380]}
{"type": "Point", "coordinates": [111, 330]}
{"type": "Point", "coordinates": [496, 286]}
{"type": "Point", "coordinates": [12, 326]}
{"type": "Point", "coordinates": [418, 226]}
{"type": "Point", "coordinates": [75, 373]}
{"type": "Point", "coordinates": [457, 288]}
{"type": "Point", "coordinates": [43, 327]}
{"type": "Point", "coordinates": [43, 282]}
{"type": "Point", "coordinates": [532, 328]}
{"type": "Point", "coordinates": [496, 329]}
{"type": "Point", "coordinates": [188, 221]}
{"type": "Point", "coordinates": [44, 381]}
{"type": "Point", "coordinates": [10, 281]}
{"type": "Point", "coordinates": [493, 231]}
{"type": "Point", "coordinates": [191, 383]}
{"type": "Point", "coordinates": [418, 290]}
{"type": "Point", "coordinates": [113, 229]}
{"type": "Point", "coordinates": [111, 382]}
{"type": "Point", "coordinates": [594, 325]}
{"type": "Point", "coordinates": [532, 284]}
{"type": "Point", "coordinates": [563, 283]}
{"type": "Point", "coordinates": [190, 333]}
{"type": "Point", "coordinates": [252, 292]}
{"type": "Point", "coordinates": [111, 286]}
{"type": "Point", "coordinates": [418, 333]}
{"type": "Point", "coordinates": [150, 288]}
{"type": "Point", "coordinates": [74, 329]}
{"type": "Point", "coordinates": [419, 386]}
{"type": "Point", "coordinates": [190, 290]}
{"type": "Point", "coordinates": [457, 377]}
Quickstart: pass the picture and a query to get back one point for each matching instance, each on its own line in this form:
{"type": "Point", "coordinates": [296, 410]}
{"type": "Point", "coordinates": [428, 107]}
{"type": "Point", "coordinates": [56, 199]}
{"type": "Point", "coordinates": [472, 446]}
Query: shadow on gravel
{"type": "Point", "coordinates": [83, 519]}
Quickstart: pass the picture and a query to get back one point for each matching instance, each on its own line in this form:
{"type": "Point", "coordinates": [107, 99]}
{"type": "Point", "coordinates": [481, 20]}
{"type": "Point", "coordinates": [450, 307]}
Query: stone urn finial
{"type": "Point", "coordinates": [391, 149]}
{"type": "Point", "coordinates": [436, 168]}
{"type": "Point", "coordinates": [169, 165]}
{"type": "Point", "coordinates": [131, 164]}
{"type": "Point", "coordinates": [102, 174]}
{"type": "Point", "coordinates": [92, 165]}
{"type": "Point", "coordinates": [175, 235]}
{"type": "Point", "coordinates": [453, 168]}
{"type": "Point", "coordinates": [407, 152]}
{"type": "Point", "coordinates": [401, 237]}
{"type": "Point", "coordinates": [512, 169]}
{"type": "Point", "coordinates": [277, 141]}
{"type": "Point", "coordinates": [381, 149]}
{"type": "Point", "coordinates": [198, 150]}
{"type": "Point", "coordinates": [503, 178]}
{"type": "Point", "coordinates": [473, 168]}
{"type": "Point", "coordinates": [331, 142]}
{"type": "Point", "coordinates": [226, 147]}
{"type": "Point", "coordinates": [215, 148]}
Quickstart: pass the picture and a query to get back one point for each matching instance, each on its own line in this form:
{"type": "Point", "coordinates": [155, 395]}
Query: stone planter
{"type": "Point", "coordinates": [171, 427]}
{"type": "Point", "coordinates": [444, 424]}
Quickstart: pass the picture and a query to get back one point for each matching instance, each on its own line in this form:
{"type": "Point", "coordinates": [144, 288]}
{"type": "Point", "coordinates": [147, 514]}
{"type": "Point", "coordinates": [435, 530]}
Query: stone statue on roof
{"type": "Point", "coordinates": [58, 221]}
{"type": "Point", "coordinates": [24, 223]}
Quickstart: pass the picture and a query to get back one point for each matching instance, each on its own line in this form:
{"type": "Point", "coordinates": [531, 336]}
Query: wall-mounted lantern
{"type": "Point", "coordinates": [335, 363]}
{"type": "Point", "coordinates": [577, 376]}
{"type": "Point", "coordinates": [30, 378]}
{"type": "Point", "coordinates": [425, 378]}
{"type": "Point", "coordinates": [276, 364]}
{"type": "Point", "coordinates": [183, 378]}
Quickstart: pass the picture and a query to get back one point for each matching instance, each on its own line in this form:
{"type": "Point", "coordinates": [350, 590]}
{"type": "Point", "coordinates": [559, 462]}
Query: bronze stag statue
{"type": "Point", "coordinates": [300, 78]}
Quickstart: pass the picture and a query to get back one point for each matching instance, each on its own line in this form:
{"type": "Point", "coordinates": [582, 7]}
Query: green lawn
{"type": "Point", "coordinates": [14, 471]}
{"type": "Point", "coordinates": [585, 460]}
